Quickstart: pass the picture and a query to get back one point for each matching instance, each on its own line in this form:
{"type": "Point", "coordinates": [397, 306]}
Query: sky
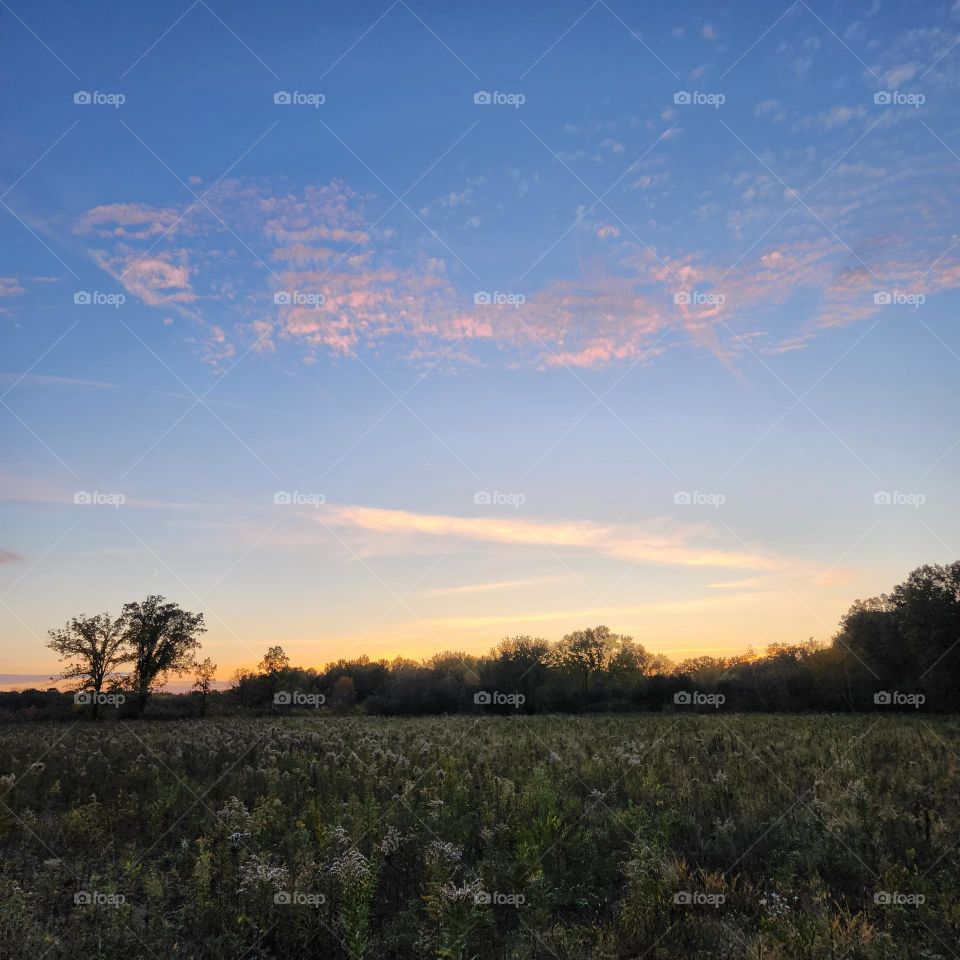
{"type": "Point", "coordinates": [393, 328]}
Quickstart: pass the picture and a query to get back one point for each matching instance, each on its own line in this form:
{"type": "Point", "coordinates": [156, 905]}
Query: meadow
{"type": "Point", "coordinates": [654, 836]}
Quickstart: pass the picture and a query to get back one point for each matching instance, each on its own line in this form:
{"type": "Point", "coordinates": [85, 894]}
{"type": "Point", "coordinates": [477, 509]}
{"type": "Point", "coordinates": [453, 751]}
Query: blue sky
{"type": "Point", "coordinates": [659, 333]}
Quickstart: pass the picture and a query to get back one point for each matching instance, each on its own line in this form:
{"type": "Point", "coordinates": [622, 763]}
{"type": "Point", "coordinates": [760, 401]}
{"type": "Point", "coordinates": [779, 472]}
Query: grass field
{"type": "Point", "coordinates": [653, 836]}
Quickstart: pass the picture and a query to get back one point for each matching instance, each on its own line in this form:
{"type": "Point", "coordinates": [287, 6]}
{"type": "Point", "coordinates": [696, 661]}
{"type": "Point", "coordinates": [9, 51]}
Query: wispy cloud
{"type": "Point", "coordinates": [592, 614]}
{"type": "Point", "coordinates": [493, 587]}
{"type": "Point", "coordinates": [661, 543]}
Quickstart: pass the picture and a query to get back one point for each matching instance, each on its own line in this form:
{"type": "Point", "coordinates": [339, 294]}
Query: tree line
{"type": "Point", "coordinates": [901, 649]}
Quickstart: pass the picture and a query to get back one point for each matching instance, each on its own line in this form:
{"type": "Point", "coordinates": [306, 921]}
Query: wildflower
{"type": "Point", "coordinates": [256, 870]}
{"type": "Point", "coordinates": [341, 838]}
{"type": "Point", "coordinates": [441, 853]}
{"type": "Point", "coordinates": [352, 868]}
{"type": "Point", "coordinates": [775, 905]}
{"type": "Point", "coordinates": [391, 841]}
{"type": "Point", "coordinates": [234, 813]}
{"type": "Point", "coordinates": [465, 894]}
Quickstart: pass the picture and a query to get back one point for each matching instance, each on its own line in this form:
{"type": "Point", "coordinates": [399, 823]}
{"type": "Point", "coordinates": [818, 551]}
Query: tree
{"type": "Point", "coordinates": [588, 652]}
{"type": "Point", "coordinates": [344, 695]}
{"type": "Point", "coordinates": [520, 664]}
{"type": "Point", "coordinates": [872, 649]}
{"type": "Point", "coordinates": [629, 658]}
{"type": "Point", "coordinates": [162, 638]}
{"type": "Point", "coordinates": [203, 675]}
{"type": "Point", "coordinates": [95, 647]}
{"type": "Point", "coordinates": [659, 665]}
{"type": "Point", "coordinates": [928, 605]}
{"type": "Point", "coordinates": [274, 661]}
{"type": "Point", "coordinates": [273, 665]}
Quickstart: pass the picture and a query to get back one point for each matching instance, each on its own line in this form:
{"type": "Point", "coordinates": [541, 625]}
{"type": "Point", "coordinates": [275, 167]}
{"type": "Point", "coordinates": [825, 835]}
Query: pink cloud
{"type": "Point", "coordinates": [11, 287]}
{"type": "Point", "coordinates": [156, 280]}
{"type": "Point", "coordinates": [130, 220]}
{"type": "Point", "coordinates": [347, 291]}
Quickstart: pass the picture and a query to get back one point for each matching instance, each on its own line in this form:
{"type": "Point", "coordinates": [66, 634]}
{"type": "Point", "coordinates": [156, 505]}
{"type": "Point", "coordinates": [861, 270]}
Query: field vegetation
{"type": "Point", "coordinates": [652, 835]}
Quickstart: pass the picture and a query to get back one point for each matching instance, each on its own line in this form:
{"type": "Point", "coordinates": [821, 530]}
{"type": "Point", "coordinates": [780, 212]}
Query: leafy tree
{"type": "Point", "coordinates": [272, 667]}
{"type": "Point", "coordinates": [590, 652]}
{"type": "Point", "coordinates": [521, 665]}
{"type": "Point", "coordinates": [628, 658]}
{"type": "Point", "coordinates": [659, 664]}
{"type": "Point", "coordinates": [203, 674]}
{"type": "Point", "coordinates": [344, 695]}
{"type": "Point", "coordinates": [370, 677]}
{"type": "Point", "coordinates": [705, 669]}
{"type": "Point", "coordinates": [909, 638]}
{"type": "Point", "coordinates": [274, 661]}
{"type": "Point", "coordinates": [95, 647]}
{"type": "Point", "coordinates": [928, 613]}
{"type": "Point", "coordinates": [161, 638]}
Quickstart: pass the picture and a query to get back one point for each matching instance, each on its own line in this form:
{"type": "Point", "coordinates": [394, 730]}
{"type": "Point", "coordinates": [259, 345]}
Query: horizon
{"type": "Point", "coordinates": [10, 682]}
{"type": "Point", "coordinates": [424, 326]}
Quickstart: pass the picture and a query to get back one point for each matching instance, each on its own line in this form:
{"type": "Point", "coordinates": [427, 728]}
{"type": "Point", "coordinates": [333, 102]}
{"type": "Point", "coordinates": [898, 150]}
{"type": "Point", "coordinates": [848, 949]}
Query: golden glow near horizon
{"type": "Point", "coordinates": [395, 583]}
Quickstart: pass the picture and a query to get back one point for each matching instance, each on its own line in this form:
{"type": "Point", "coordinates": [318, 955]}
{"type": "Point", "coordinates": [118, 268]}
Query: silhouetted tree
{"type": "Point", "coordinates": [586, 653]}
{"type": "Point", "coordinates": [95, 648]}
{"type": "Point", "coordinates": [161, 638]}
{"type": "Point", "coordinates": [344, 695]}
{"type": "Point", "coordinates": [520, 665]}
{"type": "Point", "coordinates": [928, 611]}
{"type": "Point", "coordinates": [272, 667]}
{"type": "Point", "coordinates": [203, 675]}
